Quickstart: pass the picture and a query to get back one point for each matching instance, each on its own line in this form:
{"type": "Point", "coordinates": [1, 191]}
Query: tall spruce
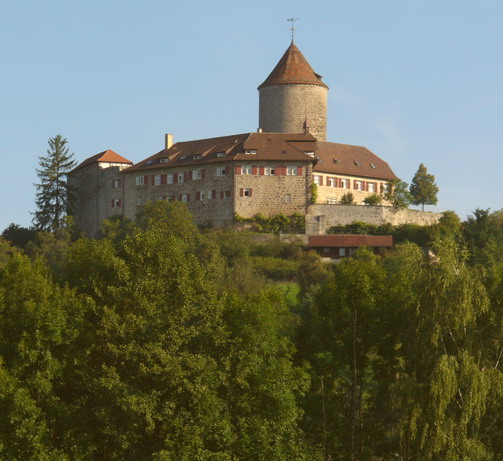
{"type": "Point", "coordinates": [423, 188]}
{"type": "Point", "coordinates": [52, 197]}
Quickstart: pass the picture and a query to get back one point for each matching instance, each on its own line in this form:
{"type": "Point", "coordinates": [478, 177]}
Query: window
{"type": "Point", "coordinates": [221, 154]}
{"type": "Point", "coordinates": [197, 174]}
{"type": "Point", "coordinates": [344, 184]}
{"type": "Point", "coordinates": [331, 182]}
{"type": "Point", "coordinates": [116, 183]}
{"type": "Point", "coordinates": [247, 192]}
{"type": "Point", "coordinates": [164, 160]}
{"type": "Point", "coordinates": [331, 200]}
{"type": "Point", "coordinates": [317, 179]}
{"type": "Point", "coordinates": [326, 251]}
{"type": "Point", "coordinates": [269, 170]}
{"type": "Point", "coordinates": [371, 186]}
{"type": "Point", "coordinates": [291, 170]}
{"type": "Point", "coordinates": [116, 202]}
{"type": "Point", "coordinates": [197, 157]}
{"type": "Point", "coordinates": [221, 170]}
{"type": "Point", "coordinates": [250, 151]}
{"type": "Point", "coordinates": [357, 163]}
{"type": "Point", "coordinates": [342, 251]}
{"type": "Point", "coordinates": [140, 180]}
{"type": "Point", "coordinates": [246, 169]}
{"type": "Point", "coordinates": [181, 177]}
{"type": "Point", "coordinates": [202, 195]}
{"type": "Point", "coordinates": [139, 201]}
{"type": "Point", "coordinates": [288, 198]}
{"type": "Point", "coordinates": [210, 195]}
{"type": "Point", "coordinates": [170, 198]}
{"type": "Point", "coordinates": [170, 178]}
{"type": "Point", "coordinates": [185, 197]}
{"type": "Point", "coordinates": [358, 185]}
{"type": "Point", "coordinates": [309, 152]}
{"type": "Point", "coordinates": [157, 180]}
{"type": "Point", "coordinates": [372, 165]}
{"type": "Point", "coordinates": [226, 194]}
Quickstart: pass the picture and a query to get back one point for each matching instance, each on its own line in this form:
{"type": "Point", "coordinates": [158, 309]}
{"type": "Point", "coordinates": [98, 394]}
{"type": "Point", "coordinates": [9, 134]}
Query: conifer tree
{"type": "Point", "coordinates": [423, 188]}
{"type": "Point", "coordinates": [52, 192]}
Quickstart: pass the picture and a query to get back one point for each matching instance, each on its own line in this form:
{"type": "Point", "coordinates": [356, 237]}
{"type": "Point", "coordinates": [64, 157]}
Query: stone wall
{"type": "Point", "coordinates": [96, 198]}
{"type": "Point", "coordinates": [284, 109]}
{"type": "Point", "coordinates": [273, 194]}
{"type": "Point", "coordinates": [321, 217]}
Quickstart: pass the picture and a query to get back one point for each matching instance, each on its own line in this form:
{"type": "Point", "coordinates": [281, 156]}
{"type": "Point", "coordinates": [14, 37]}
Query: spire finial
{"type": "Point", "coordinates": [293, 28]}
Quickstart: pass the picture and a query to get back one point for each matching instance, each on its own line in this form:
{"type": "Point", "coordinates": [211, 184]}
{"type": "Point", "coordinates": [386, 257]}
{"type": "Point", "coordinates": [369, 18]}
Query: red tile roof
{"type": "Point", "coordinates": [350, 160]}
{"type": "Point", "coordinates": [268, 146]}
{"type": "Point", "coordinates": [350, 241]}
{"type": "Point", "coordinates": [293, 68]}
{"type": "Point", "coordinates": [106, 156]}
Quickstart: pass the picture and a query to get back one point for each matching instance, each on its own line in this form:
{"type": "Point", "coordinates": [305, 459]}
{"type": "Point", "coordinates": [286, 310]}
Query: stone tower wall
{"type": "Point", "coordinates": [284, 109]}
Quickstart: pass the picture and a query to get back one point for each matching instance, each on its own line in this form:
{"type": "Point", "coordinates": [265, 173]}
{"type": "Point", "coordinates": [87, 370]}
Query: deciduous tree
{"type": "Point", "coordinates": [423, 188]}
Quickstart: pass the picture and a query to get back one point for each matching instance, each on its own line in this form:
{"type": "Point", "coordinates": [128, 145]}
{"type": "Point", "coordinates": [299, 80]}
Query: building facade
{"type": "Point", "coordinates": [283, 168]}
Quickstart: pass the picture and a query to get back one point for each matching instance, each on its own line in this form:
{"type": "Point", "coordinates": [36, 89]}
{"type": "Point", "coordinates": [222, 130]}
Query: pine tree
{"type": "Point", "coordinates": [423, 188]}
{"type": "Point", "coordinates": [52, 193]}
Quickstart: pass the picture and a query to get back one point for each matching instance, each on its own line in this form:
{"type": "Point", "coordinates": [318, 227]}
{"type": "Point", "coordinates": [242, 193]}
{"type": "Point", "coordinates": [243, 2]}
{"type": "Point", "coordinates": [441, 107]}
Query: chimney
{"type": "Point", "coordinates": [169, 140]}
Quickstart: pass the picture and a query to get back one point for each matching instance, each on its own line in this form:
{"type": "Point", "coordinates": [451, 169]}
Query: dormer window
{"type": "Point", "coordinates": [357, 163]}
{"type": "Point", "coordinates": [197, 157]}
{"type": "Point", "coordinates": [372, 165]}
{"type": "Point", "coordinates": [310, 153]}
{"type": "Point", "coordinates": [164, 160]}
{"type": "Point", "coordinates": [336, 160]}
{"type": "Point", "coordinates": [221, 154]}
{"type": "Point", "coordinates": [250, 151]}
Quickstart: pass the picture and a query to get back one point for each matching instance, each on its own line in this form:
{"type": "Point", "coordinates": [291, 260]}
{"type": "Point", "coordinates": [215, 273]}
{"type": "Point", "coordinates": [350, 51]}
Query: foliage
{"type": "Point", "coordinates": [348, 199]}
{"type": "Point", "coordinates": [276, 268]}
{"type": "Point", "coordinates": [53, 197]}
{"type": "Point", "coordinates": [293, 224]}
{"type": "Point", "coordinates": [314, 193]}
{"type": "Point", "coordinates": [397, 193]}
{"type": "Point", "coordinates": [18, 236]}
{"type": "Point", "coordinates": [423, 188]}
{"type": "Point", "coordinates": [373, 200]}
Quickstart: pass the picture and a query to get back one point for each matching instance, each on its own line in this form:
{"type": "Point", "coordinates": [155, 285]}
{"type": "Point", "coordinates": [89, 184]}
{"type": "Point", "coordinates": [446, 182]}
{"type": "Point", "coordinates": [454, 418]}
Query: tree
{"type": "Point", "coordinates": [373, 200]}
{"type": "Point", "coordinates": [52, 197]}
{"type": "Point", "coordinates": [397, 194]}
{"type": "Point", "coordinates": [348, 199]}
{"type": "Point", "coordinates": [423, 188]}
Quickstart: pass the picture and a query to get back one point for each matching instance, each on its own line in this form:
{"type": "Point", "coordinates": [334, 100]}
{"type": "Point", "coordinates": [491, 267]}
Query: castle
{"type": "Point", "coordinates": [282, 168]}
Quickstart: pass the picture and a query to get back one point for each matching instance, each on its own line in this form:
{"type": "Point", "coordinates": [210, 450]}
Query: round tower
{"type": "Point", "coordinates": [293, 99]}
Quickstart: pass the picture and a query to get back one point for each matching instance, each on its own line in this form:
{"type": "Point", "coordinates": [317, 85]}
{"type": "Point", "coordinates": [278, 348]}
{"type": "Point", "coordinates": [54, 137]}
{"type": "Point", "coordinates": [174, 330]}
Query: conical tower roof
{"type": "Point", "coordinates": [293, 68]}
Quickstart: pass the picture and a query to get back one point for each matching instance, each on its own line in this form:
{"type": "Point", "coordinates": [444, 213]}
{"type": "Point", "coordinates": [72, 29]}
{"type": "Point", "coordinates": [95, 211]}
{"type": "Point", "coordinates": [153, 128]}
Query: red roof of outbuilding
{"type": "Point", "coordinates": [293, 68]}
{"type": "Point", "coordinates": [106, 156]}
{"type": "Point", "coordinates": [350, 241]}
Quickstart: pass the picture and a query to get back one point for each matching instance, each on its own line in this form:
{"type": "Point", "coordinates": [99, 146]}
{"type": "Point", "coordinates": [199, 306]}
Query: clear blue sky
{"type": "Point", "coordinates": [414, 81]}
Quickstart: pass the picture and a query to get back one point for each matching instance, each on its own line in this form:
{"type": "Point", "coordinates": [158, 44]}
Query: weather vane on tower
{"type": "Point", "coordinates": [293, 28]}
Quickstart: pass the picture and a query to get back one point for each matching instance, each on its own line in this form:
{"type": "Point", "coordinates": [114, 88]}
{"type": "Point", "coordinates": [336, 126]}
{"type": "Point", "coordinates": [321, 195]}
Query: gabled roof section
{"type": "Point", "coordinates": [345, 159]}
{"type": "Point", "coordinates": [293, 68]}
{"type": "Point", "coordinates": [239, 147]}
{"type": "Point", "coordinates": [108, 156]}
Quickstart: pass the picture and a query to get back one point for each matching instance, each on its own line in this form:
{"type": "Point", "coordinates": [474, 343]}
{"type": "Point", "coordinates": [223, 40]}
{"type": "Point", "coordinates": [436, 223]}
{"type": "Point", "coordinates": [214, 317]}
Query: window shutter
{"type": "Point", "coordinates": [188, 197]}
{"type": "Point", "coordinates": [164, 178]}
{"type": "Point", "coordinates": [198, 195]}
{"type": "Point", "coordinates": [238, 169]}
{"type": "Point", "coordinates": [241, 192]}
{"type": "Point", "coordinates": [145, 179]}
{"type": "Point", "coordinates": [175, 178]}
{"type": "Point", "coordinates": [214, 194]}
{"type": "Point", "coordinates": [254, 170]}
{"type": "Point", "coordinates": [299, 171]}
{"type": "Point", "coordinates": [261, 170]}
{"type": "Point", "coordinates": [321, 180]}
{"type": "Point", "coordinates": [180, 197]}
{"type": "Point", "coordinates": [251, 192]}
{"type": "Point", "coordinates": [188, 175]}
{"type": "Point", "coordinates": [277, 171]}
{"type": "Point", "coordinates": [203, 173]}
{"type": "Point", "coordinates": [221, 194]}
{"type": "Point", "coordinates": [113, 203]}
{"type": "Point", "coordinates": [227, 170]}
{"type": "Point", "coordinates": [152, 180]}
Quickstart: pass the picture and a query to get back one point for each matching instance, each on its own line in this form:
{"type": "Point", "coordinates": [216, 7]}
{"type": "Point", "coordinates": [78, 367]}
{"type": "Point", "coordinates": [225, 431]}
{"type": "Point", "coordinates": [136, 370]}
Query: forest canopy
{"type": "Point", "coordinates": [161, 341]}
